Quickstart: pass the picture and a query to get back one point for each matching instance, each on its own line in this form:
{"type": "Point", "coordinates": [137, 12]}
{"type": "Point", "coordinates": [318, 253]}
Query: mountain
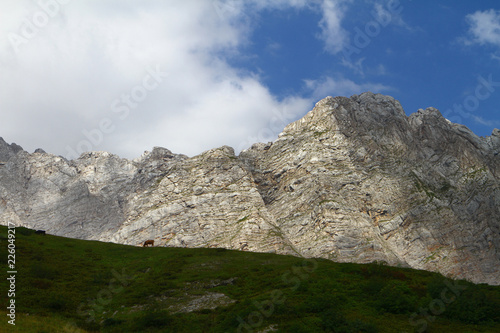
{"type": "Point", "coordinates": [354, 180]}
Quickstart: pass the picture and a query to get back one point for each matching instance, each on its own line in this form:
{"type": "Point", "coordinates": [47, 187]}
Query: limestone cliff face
{"type": "Point", "coordinates": [355, 180]}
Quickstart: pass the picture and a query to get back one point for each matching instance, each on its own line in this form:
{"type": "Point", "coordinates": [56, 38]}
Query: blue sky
{"type": "Point", "coordinates": [124, 76]}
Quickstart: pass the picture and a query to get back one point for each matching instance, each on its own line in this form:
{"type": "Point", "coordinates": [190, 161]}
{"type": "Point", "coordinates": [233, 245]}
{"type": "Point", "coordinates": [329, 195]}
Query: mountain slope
{"type": "Point", "coordinates": [355, 180]}
{"type": "Point", "coordinates": [69, 285]}
{"type": "Point", "coordinates": [358, 180]}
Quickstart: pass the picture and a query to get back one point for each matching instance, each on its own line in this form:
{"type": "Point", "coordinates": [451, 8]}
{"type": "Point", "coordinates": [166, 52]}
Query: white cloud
{"type": "Point", "coordinates": [67, 77]}
{"type": "Point", "coordinates": [329, 86]}
{"type": "Point", "coordinates": [485, 122]}
{"type": "Point", "coordinates": [356, 66]}
{"type": "Point", "coordinates": [484, 27]}
{"type": "Point", "coordinates": [277, 4]}
{"type": "Point", "coordinates": [380, 70]}
{"type": "Point", "coordinates": [332, 33]}
{"type": "Point", "coordinates": [73, 70]}
{"type": "Point", "coordinates": [389, 15]}
{"type": "Point", "coordinates": [333, 12]}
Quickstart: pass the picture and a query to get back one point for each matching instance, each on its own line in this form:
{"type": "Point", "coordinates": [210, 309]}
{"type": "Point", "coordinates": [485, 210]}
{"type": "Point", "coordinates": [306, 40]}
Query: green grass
{"type": "Point", "coordinates": [319, 133]}
{"type": "Point", "coordinates": [243, 219]}
{"type": "Point", "coordinates": [326, 201]}
{"type": "Point", "coordinates": [69, 285]}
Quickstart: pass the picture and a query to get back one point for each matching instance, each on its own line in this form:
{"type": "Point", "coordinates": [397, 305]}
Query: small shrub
{"type": "Point", "coordinates": [108, 322]}
{"type": "Point", "coordinates": [42, 271]}
{"type": "Point", "coordinates": [24, 231]}
{"type": "Point", "coordinates": [396, 297]}
{"type": "Point", "coordinates": [41, 284]}
{"type": "Point", "coordinates": [152, 319]}
{"type": "Point", "coordinates": [361, 326]}
{"type": "Point", "coordinates": [56, 302]}
{"type": "Point", "coordinates": [333, 321]}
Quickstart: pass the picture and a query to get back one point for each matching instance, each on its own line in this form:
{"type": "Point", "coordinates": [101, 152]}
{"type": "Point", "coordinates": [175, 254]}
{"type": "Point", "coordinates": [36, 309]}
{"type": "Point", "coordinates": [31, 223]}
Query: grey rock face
{"type": "Point", "coordinates": [7, 151]}
{"type": "Point", "coordinates": [354, 180]}
{"type": "Point", "coordinates": [358, 180]}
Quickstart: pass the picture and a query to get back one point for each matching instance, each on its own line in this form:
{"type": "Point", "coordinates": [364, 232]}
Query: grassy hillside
{"type": "Point", "coordinates": [68, 285]}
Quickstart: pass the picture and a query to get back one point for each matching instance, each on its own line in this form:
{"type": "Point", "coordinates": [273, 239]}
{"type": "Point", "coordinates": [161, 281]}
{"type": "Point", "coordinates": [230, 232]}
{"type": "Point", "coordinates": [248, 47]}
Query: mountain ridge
{"type": "Point", "coordinates": [354, 180]}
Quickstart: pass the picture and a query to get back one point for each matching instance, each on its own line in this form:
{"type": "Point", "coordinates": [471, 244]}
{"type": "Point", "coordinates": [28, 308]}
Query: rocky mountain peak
{"type": "Point", "coordinates": [362, 114]}
{"type": "Point", "coordinates": [7, 151]}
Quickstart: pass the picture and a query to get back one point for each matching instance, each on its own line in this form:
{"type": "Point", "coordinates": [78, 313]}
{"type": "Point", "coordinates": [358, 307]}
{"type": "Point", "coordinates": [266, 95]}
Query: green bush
{"type": "Point", "coordinates": [396, 297]}
{"type": "Point", "coordinates": [333, 320]}
{"type": "Point", "coordinates": [361, 326]}
{"type": "Point", "coordinates": [109, 322]}
{"type": "Point", "coordinates": [475, 306]}
{"type": "Point", "coordinates": [24, 231]}
{"type": "Point", "coordinates": [40, 270]}
{"type": "Point", "coordinates": [57, 303]}
{"type": "Point", "coordinates": [152, 319]}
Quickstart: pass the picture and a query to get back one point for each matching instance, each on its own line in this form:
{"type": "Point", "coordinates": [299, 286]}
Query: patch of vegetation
{"type": "Point", "coordinates": [422, 187]}
{"type": "Point", "coordinates": [475, 173]}
{"type": "Point", "coordinates": [445, 187]}
{"type": "Point", "coordinates": [155, 206]}
{"type": "Point", "coordinates": [63, 288]}
{"type": "Point", "coordinates": [243, 219]}
{"type": "Point", "coordinates": [325, 201]}
{"type": "Point", "coordinates": [317, 134]}
{"type": "Point", "coordinates": [433, 255]}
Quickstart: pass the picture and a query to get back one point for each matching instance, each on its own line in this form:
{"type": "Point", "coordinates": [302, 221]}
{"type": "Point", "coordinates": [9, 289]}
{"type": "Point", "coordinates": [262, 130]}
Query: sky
{"type": "Point", "coordinates": [190, 75]}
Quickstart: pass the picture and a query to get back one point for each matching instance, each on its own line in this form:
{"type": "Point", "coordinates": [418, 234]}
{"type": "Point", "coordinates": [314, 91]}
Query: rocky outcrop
{"type": "Point", "coordinates": [7, 151]}
{"type": "Point", "coordinates": [354, 180]}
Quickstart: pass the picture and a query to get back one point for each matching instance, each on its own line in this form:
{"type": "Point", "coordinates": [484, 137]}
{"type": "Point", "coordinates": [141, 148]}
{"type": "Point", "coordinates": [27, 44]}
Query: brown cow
{"type": "Point", "coordinates": [149, 242]}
